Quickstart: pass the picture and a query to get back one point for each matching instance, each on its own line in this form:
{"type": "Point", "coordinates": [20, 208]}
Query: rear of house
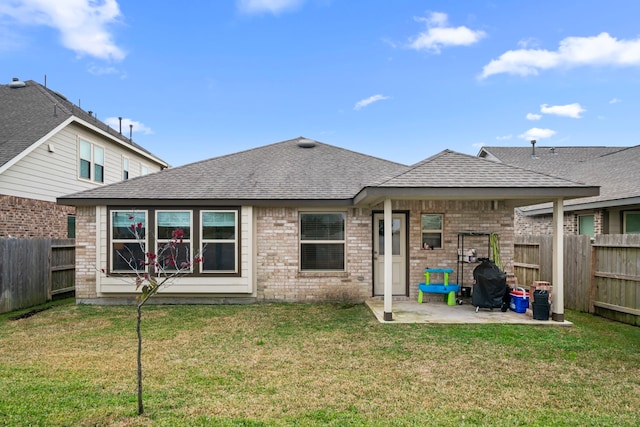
{"type": "Point", "coordinates": [303, 221]}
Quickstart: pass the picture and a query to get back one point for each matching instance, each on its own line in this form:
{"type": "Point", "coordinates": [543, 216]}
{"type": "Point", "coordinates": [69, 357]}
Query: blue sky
{"type": "Point", "coordinates": [401, 80]}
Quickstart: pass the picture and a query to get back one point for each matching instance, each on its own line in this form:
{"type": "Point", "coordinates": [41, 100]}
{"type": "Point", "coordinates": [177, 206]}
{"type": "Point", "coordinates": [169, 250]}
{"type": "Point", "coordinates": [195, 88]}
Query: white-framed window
{"type": "Point", "coordinates": [174, 226]}
{"type": "Point", "coordinates": [128, 233]}
{"type": "Point", "coordinates": [91, 161]}
{"type": "Point", "coordinates": [219, 241]}
{"type": "Point", "coordinates": [586, 225]}
{"type": "Point", "coordinates": [631, 222]}
{"type": "Point", "coordinates": [125, 168]}
{"type": "Point", "coordinates": [322, 241]}
{"type": "Point", "coordinates": [431, 226]}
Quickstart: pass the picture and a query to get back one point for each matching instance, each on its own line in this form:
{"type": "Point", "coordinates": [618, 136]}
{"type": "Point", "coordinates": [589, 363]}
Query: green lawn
{"type": "Point", "coordinates": [311, 365]}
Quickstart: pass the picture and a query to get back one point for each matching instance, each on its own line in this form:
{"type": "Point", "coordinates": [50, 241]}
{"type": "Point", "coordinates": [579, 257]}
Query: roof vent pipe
{"type": "Point", "coordinates": [120, 120]}
{"type": "Point", "coordinates": [130, 132]}
{"type": "Point", "coordinates": [533, 148]}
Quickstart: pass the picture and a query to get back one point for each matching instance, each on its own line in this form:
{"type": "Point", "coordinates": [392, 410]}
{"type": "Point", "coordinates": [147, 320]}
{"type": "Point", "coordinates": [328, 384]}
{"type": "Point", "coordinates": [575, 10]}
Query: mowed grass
{"type": "Point", "coordinates": [311, 365]}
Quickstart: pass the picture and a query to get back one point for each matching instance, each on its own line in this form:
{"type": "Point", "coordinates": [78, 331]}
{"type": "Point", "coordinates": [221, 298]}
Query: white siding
{"type": "Point", "coordinates": [45, 175]}
{"type": "Point", "coordinates": [106, 286]}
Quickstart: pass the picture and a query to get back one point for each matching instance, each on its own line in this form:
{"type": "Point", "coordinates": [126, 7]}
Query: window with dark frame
{"type": "Point", "coordinates": [127, 253]}
{"type": "Point", "coordinates": [322, 241]}
{"type": "Point", "coordinates": [219, 241]}
{"type": "Point", "coordinates": [212, 233]}
{"type": "Point", "coordinates": [631, 222]}
{"type": "Point", "coordinates": [168, 223]}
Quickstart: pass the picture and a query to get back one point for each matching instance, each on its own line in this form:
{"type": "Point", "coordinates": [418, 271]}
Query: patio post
{"type": "Point", "coordinates": [557, 292]}
{"type": "Point", "coordinates": [388, 260]}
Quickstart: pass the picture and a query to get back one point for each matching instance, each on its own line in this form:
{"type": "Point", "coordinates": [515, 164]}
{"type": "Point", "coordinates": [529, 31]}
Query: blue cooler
{"type": "Point", "coordinates": [519, 300]}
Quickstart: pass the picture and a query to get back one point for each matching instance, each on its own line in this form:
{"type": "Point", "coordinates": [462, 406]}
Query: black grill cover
{"type": "Point", "coordinates": [490, 288]}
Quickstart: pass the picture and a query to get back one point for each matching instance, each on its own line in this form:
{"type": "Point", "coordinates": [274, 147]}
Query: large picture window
{"type": "Point", "coordinates": [219, 241]}
{"type": "Point", "coordinates": [212, 235]}
{"type": "Point", "coordinates": [322, 241]}
{"type": "Point", "coordinates": [128, 244]}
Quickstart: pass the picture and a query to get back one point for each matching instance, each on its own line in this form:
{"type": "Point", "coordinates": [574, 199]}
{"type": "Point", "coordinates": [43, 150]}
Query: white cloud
{"type": "Point", "coordinates": [83, 24]}
{"type": "Point", "coordinates": [370, 100]}
{"type": "Point", "coordinates": [598, 50]}
{"type": "Point", "coordinates": [273, 6]}
{"type": "Point", "coordinates": [570, 110]}
{"type": "Point", "coordinates": [114, 122]}
{"type": "Point", "coordinates": [615, 101]}
{"type": "Point", "coordinates": [531, 116]}
{"type": "Point", "coordinates": [504, 137]}
{"type": "Point", "coordinates": [537, 133]}
{"type": "Point", "coordinates": [439, 35]}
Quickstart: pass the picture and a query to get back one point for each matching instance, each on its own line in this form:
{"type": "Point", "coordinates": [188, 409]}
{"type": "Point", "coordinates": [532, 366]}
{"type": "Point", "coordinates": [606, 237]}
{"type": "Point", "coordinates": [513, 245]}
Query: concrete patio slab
{"type": "Point", "coordinates": [439, 312]}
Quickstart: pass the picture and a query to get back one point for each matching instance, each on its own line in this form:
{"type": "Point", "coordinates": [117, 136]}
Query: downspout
{"type": "Point", "coordinates": [388, 260]}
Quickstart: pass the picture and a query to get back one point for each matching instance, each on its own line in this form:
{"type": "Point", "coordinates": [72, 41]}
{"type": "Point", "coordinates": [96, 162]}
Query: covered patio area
{"type": "Point", "coordinates": [441, 313]}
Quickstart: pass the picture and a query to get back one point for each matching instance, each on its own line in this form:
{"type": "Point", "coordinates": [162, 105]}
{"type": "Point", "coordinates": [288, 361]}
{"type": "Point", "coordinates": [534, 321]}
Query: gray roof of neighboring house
{"type": "Point", "coordinates": [30, 112]}
{"type": "Point", "coordinates": [301, 170]}
{"type": "Point", "coordinates": [615, 169]}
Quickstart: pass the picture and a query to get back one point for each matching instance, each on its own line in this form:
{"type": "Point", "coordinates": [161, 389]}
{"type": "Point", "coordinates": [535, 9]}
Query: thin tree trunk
{"type": "Point", "coordinates": [140, 405]}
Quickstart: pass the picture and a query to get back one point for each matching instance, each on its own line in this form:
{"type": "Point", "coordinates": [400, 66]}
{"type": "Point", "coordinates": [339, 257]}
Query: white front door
{"type": "Point", "coordinates": [399, 243]}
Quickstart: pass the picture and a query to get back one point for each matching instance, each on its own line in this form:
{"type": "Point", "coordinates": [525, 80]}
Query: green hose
{"type": "Point", "coordinates": [495, 249]}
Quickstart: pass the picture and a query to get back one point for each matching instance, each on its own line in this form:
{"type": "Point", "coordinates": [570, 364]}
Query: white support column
{"type": "Point", "coordinates": [388, 260]}
{"type": "Point", "coordinates": [557, 292]}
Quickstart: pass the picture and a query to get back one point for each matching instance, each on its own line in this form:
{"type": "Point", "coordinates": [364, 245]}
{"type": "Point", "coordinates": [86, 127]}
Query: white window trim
{"type": "Point", "coordinates": [343, 242]}
{"type": "Point", "coordinates": [112, 241]}
{"type": "Point", "coordinates": [435, 230]}
{"type": "Point", "coordinates": [204, 241]}
{"type": "Point", "coordinates": [92, 162]}
{"type": "Point", "coordinates": [159, 241]}
{"type": "Point", "coordinates": [126, 167]}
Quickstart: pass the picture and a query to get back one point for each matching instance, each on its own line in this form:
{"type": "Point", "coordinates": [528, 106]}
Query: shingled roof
{"type": "Point", "coordinates": [31, 111]}
{"type": "Point", "coordinates": [305, 172]}
{"type": "Point", "coordinates": [615, 169]}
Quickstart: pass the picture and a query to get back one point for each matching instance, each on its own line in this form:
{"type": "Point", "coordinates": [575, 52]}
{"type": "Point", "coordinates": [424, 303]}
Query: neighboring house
{"type": "Point", "coordinates": [50, 147]}
{"type": "Point", "coordinates": [301, 220]}
{"type": "Point", "coordinates": [616, 210]}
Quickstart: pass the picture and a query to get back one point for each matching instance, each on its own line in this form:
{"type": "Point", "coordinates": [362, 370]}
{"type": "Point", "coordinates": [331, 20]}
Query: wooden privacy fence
{"type": "Point", "coordinates": [32, 271]}
{"type": "Point", "coordinates": [601, 278]}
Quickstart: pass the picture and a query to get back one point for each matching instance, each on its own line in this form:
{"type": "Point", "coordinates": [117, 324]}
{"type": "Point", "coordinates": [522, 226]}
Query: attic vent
{"type": "Point", "coordinates": [16, 83]}
{"type": "Point", "coordinates": [306, 143]}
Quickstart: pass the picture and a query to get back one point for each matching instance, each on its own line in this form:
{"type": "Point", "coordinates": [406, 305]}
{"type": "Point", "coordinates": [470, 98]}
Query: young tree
{"type": "Point", "coordinates": [155, 270]}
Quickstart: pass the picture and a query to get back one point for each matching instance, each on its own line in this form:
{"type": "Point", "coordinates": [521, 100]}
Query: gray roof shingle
{"type": "Point", "coordinates": [280, 171]}
{"type": "Point", "coordinates": [615, 169]}
{"type": "Point", "coordinates": [303, 170]}
{"type": "Point", "coordinates": [30, 112]}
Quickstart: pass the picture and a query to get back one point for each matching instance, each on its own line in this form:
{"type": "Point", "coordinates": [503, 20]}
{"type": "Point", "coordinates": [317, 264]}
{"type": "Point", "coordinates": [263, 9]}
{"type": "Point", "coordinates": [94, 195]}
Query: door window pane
{"type": "Point", "coordinates": [395, 236]}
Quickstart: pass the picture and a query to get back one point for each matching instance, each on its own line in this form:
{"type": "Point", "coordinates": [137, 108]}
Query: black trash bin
{"type": "Point", "coordinates": [541, 305]}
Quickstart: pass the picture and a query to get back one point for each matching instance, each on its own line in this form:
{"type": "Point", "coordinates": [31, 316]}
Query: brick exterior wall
{"type": "Point", "coordinates": [543, 224]}
{"type": "Point", "coordinates": [85, 252]}
{"type": "Point", "coordinates": [278, 276]}
{"type": "Point", "coordinates": [277, 263]}
{"type": "Point", "coordinates": [25, 218]}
